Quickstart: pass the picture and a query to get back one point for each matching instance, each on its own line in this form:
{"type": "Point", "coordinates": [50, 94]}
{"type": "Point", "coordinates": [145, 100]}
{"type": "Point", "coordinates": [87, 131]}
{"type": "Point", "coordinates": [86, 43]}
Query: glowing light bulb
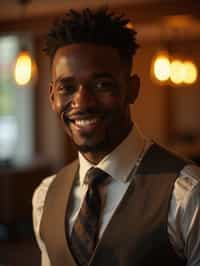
{"type": "Point", "coordinates": [177, 71]}
{"type": "Point", "coordinates": [190, 72]}
{"type": "Point", "coordinates": [23, 68]}
{"type": "Point", "coordinates": [161, 68]}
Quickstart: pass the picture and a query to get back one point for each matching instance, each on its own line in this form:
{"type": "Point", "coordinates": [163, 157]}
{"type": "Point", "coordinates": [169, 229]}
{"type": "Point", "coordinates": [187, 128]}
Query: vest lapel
{"type": "Point", "coordinates": [112, 234]}
{"type": "Point", "coordinates": [119, 229]}
{"type": "Point", "coordinates": [53, 229]}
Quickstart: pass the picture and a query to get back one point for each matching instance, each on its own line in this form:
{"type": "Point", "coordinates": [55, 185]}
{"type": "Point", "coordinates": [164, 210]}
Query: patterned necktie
{"type": "Point", "coordinates": [86, 227]}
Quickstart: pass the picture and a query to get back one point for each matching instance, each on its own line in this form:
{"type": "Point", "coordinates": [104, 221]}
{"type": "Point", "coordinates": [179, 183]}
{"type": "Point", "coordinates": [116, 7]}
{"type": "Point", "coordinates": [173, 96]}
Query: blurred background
{"type": "Point", "coordinates": [32, 144]}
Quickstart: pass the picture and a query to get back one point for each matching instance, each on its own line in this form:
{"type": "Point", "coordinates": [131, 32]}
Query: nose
{"type": "Point", "coordinates": [83, 98]}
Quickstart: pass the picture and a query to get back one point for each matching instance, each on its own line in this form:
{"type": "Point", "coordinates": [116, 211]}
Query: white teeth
{"type": "Point", "coordinates": [85, 122]}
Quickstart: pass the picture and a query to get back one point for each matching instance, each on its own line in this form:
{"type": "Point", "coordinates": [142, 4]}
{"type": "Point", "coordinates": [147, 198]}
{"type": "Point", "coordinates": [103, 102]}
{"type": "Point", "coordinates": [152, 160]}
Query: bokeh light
{"type": "Point", "coordinates": [190, 72]}
{"type": "Point", "coordinates": [161, 68]}
{"type": "Point", "coordinates": [23, 68]}
{"type": "Point", "coordinates": [177, 72]}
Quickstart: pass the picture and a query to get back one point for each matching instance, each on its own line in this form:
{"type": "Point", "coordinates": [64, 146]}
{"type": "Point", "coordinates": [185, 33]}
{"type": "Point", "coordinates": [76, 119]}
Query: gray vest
{"type": "Point", "coordinates": [137, 234]}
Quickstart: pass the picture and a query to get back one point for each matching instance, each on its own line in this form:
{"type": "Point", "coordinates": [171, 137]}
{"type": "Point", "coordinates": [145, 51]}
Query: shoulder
{"type": "Point", "coordinates": [184, 215]}
{"type": "Point", "coordinates": [41, 192]}
{"type": "Point", "coordinates": [187, 185]}
{"type": "Point", "coordinates": [158, 159]}
{"type": "Point", "coordinates": [38, 204]}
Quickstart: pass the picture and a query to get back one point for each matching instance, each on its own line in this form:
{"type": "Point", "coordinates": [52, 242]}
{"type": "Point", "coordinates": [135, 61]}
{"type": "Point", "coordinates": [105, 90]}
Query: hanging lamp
{"type": "Point", "coordinates": [25, 69]}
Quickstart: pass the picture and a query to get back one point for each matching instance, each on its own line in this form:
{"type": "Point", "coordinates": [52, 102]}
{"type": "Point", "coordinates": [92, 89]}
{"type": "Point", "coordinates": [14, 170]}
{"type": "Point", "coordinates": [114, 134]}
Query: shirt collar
{"type": "Point", "coordinates": [120, 162]}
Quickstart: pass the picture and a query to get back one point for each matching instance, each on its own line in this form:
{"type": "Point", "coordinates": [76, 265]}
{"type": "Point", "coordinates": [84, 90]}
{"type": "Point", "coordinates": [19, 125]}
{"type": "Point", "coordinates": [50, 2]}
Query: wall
{"type": "Point", "coordinates": [149, 110]}
{"type": "Point", "coordinates": [169, 115]}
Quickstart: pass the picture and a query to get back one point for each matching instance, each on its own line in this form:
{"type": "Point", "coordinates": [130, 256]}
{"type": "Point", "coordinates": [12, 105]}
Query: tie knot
{"type": "Point", "coordinates": [95, 176]}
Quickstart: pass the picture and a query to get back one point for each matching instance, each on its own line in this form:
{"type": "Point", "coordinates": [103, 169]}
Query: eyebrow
{"type": "Point", "coordinates": [93, 76]}
{"type": "Point", "coordinates": [101, 75]}
{"type": "Point", "coordinates": [64, 79]}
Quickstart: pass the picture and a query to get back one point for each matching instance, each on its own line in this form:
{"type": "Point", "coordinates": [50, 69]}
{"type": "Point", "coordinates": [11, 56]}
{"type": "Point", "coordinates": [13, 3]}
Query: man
{"type": "Point", "coordinates": [126, 201]}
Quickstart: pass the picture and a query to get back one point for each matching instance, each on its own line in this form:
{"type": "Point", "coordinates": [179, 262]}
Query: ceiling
{"type": "Point", "coordinates": [12, 9]}
{"type": "Point", "coordinates": [151, 17]}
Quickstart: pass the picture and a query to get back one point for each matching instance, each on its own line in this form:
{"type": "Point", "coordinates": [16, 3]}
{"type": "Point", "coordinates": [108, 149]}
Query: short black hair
{"type": "Point", "coordinates": [98, 26]}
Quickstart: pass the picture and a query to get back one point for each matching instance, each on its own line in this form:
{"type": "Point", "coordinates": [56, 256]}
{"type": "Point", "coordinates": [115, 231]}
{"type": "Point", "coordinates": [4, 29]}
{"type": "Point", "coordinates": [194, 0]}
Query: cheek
{"type": "Point", "coordinates": [61, 103]}
{"type": "Point", "coordinates": [110, 102]}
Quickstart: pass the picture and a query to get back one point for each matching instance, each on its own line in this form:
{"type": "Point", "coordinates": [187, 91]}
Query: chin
{"type": "Point", "coordinates": [92, 147]}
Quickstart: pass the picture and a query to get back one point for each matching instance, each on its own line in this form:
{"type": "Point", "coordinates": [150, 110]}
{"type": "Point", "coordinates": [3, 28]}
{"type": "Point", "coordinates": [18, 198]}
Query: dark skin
{"type": "Point", "coordinates": [91, 91]}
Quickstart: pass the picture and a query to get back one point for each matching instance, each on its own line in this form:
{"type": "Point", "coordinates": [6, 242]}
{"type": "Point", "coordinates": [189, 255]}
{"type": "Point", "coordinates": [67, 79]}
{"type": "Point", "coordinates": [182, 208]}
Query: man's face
{"type": "Point", "coordinates": [91, 91]}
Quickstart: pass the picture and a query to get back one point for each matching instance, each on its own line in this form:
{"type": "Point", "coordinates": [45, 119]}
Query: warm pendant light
{"type": "Point", "coordinates": [162, 67]}
{"type": "Point", "coordinates": [190, 72]}
{"type": "Point", "coordinates": [165, 68]}
{"type": "Point", "coordinates": [177, 72]}
{"type": "Point", "coordinates": [23, 68]}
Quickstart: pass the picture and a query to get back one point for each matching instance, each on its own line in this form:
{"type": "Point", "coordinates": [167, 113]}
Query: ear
{"type": "Point", "coordinates": [134, 87]}
{"type": "Point", "coordinates": [51, 96]}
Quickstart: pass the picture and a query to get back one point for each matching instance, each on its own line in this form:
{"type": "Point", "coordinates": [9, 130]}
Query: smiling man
{"type": "Point", "coordinates": [126, 200]}
{"type": "Point", "coordinates": [91, 96]}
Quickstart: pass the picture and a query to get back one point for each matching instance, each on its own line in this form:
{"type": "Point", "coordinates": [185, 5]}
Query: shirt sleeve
{"type": "Point", "coordinates": [184, 215]}
{"type": "Point", "coordinates": [38, 204]}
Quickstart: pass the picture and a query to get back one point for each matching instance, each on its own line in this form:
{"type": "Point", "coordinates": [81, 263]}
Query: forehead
{"type": "Point", "coordinates": [85, 59]}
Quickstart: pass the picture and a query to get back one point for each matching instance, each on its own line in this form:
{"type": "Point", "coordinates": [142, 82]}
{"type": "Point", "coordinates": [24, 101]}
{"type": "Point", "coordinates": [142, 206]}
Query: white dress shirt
{"type": "Point", "coordinates": [184, 212]}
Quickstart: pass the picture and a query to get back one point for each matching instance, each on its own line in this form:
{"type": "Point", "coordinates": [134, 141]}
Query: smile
{"type": "Point", "coordinates": [85, 124]}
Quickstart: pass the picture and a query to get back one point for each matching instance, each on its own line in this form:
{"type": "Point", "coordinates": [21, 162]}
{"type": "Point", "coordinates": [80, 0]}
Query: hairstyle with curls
{"type": "Point", "coordinates": [100, 27]}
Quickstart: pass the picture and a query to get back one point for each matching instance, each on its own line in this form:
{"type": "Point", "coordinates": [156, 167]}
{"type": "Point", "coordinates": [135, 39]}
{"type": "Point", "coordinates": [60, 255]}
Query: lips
{"type": "Point", "coordinates": [85, 126]}
{"type": "Point", "coordinates": [84, 123]}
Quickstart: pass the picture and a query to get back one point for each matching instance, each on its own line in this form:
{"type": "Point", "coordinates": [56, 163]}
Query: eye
{"type": "Point", "coordinates": [104, 85]}
{"type": "Point", "coordinates": [66, 88]}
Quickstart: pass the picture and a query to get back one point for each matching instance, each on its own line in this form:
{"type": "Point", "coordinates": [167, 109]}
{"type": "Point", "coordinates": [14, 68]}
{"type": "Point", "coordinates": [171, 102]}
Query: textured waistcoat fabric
{"type": "Point", "coordinates": [137, 233]}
